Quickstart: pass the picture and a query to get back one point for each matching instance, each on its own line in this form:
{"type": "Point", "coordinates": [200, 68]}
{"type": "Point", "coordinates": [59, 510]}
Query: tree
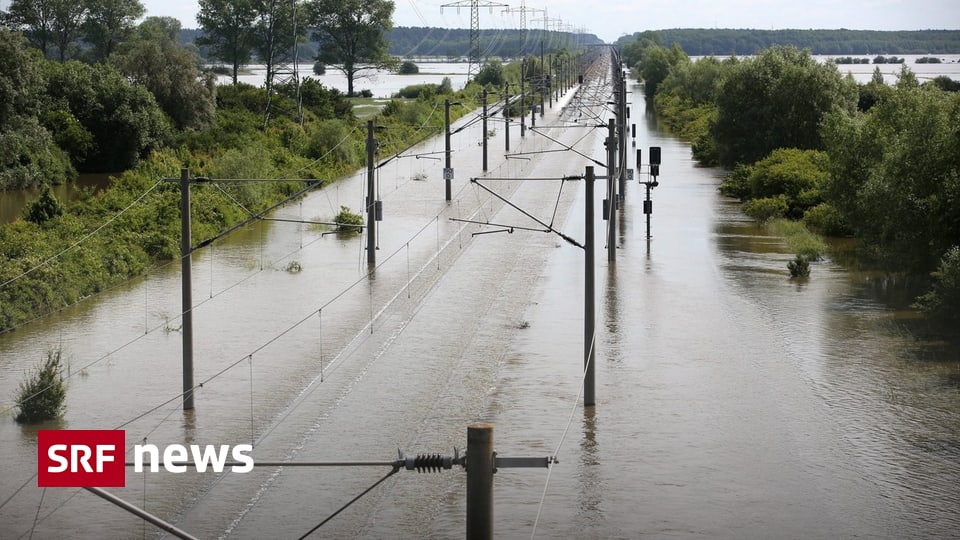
{"type": "Point", "coordinates": [109, 22]}
{"type": "Point", "coordinates": [776, 100]}
{"type": "Point", "coordinates": [21, 80]}
{"type": "Point", "coordinates": [228, 30]}
{"type": "Point", "coordinates": [279, 27]}
{"type": "Point", "coordinates": [124, 119]}
{"type": "Point", "coordinates": [352, 35]}
{"type": "Point", "coordinates": [156, 60]}
{"type": "Point", "coordinates": [656, 65]}
{"type": "Point", "coordinates": [69, 17]}
{"type": "Point", "coordinates": [45, 208]}
{"type": "Point", "coordinates": [895, 174]}
{"type": "Point", "coordinates": [35, 19]}
{"type": "Point", "coordinates": [41, 397]}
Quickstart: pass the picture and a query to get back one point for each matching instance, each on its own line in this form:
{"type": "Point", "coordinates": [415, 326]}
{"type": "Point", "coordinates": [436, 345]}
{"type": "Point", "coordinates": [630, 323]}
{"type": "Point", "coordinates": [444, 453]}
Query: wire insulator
{"type": "Point", "coordinates": [432, 463]}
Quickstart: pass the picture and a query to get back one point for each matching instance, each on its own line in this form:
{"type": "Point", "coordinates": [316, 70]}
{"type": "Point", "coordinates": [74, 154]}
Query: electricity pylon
{"type": "Point", "coordinates": [474, 5]}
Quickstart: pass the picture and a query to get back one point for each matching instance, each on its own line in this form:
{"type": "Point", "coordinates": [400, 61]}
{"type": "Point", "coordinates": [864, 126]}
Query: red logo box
{"type": "Point", "coordinates": [81, 458]}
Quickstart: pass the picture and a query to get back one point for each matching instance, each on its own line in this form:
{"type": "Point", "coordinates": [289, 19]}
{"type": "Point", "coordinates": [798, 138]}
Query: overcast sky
{"type": "Point", "coordinates": [611, 19]}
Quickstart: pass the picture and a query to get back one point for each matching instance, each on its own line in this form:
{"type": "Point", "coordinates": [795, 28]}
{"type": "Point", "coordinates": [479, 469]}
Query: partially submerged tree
{"type": "Point", "coordinates": [228, 30]}
{"type": "Point", "coordinates": [352, 35]}
{"type": "Point", "coordinates": [41, 397]}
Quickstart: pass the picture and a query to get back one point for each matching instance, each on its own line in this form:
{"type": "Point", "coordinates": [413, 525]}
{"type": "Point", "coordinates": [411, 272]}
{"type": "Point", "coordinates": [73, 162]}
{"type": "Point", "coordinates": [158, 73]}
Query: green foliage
{"type": "Point", "coordinates": [228, 30]}
{"type": "Point", "coordinates": [895, 174]}
{"type": "Point", "coordinates": [321, 101]}
{"type": "Point", "coordinates": [21, 79]}
{"type": "Point", "coordinates": [789, 175]}
{"type": "Point", "coordinates": [498, 42]}
{"type": "Point", "coordinates": [491, 74]}
{"type": "Point", "coordinates": [656, 65]}
{"type": "Point", "coordinates": [799, 238]}
{"type": "Point", "coordinates": [408, 67]}
{"type": "Point", "coordinates": [351, 34]}
{"type": "Point", "coordinates": [319, 68]}
{"type": "Point", "coordinates": [109, 23]}
{"type": "Point", "coordinates": [942, 301]}
{"type": "Point", "coordinates": [776, 100]}
{"type": "Point", "coordinates": [69, 134]}
{"type": "Point", "coordinates": [156, 61]}
{"type": "Point", "coordinates": [825, 219]}
{"type": "Point", "coordinates": [125, 121]}
{"type": "Point", "coordinates": [30, 157]}
{"type": "Point", "coordinates": [45, 208]}
{"type": "Point", "coordinates": [42, 396]}
{"type": "Point", "coordinates": [799, 267]}
{"type": "Point", "coordinates": [766, 208]}
{"type": "Point", "coordinates": [348, 221]}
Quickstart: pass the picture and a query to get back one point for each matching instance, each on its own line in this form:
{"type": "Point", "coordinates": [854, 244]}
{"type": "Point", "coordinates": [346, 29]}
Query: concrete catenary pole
{"type": "Point", "coordinates": [371, 197]}
{"type": "Point", "coordinates": [480, 462]}
{"type": "Point", "coordinates": [186, 297]}
{"type": "Point", "coordinates": [589, 300]}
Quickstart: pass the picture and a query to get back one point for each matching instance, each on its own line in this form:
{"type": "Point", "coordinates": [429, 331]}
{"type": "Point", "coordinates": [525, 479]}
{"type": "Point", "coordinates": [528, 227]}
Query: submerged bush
{"type": "Point", "coordinates": [799, 267]}
{"type": "Point", "coordinates": [41, 397]}
{"type": "Point", "coordinates": [942, 301]}
{"type": "Point", "coordinates": [348, 221]}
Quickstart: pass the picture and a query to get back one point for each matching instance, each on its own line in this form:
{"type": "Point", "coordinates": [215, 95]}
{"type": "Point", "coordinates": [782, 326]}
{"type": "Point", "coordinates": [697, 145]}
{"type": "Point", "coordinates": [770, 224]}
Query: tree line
{"type": "Point", "coordinates": [725, 42]}
{"type": "Point", "coordinates": [802, 141]}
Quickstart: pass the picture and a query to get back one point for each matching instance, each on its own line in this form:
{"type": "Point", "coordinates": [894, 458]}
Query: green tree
{"type": "Point", "coordinates": [69, 17]}
{"type": "Point", "coordinates": [278, 28]}
{"type": "Point", "coordinates": [656, 65]}
{"type": "Point", "coordinates": [156, 60]}
{"type": "Point", "coordinates": [21, 79]}
{"type": "Point", "coordinates": [491, 74]}
{"type": "Point", "coordinates": [123, 118]}
{"type": "Point", "coordinates": [110, 22]}
{"type": "Point", "coordinates": [352, 35]}
{"type": "Point", "coordinates": [29, 157]}
{"type": "Point", "coordinates": [895, 174]}
{"type": "Point", "coordinates": [36, 19]}
{"type": "Point", "coordinates": [776, 100]}
{"type": "Point", "coordinates": [228, 29]}
{"type": "Point", "coordinates": [45, 208]}
{"type": "Point", "coordinates": [41, 397]}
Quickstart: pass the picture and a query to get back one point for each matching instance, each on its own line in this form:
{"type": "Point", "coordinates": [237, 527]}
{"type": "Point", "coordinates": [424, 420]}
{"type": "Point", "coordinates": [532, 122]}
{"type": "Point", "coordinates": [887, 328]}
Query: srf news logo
{"type": "Point", "coordinates": [95, 458]}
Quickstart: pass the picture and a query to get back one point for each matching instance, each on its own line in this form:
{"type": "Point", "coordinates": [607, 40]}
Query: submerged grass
{"type": "Point", "coordinates": [799, 238]}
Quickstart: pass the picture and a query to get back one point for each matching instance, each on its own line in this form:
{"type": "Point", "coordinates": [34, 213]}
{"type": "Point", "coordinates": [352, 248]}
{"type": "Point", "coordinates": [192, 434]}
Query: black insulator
{"type": "Point", "coordinates": [429, 463]}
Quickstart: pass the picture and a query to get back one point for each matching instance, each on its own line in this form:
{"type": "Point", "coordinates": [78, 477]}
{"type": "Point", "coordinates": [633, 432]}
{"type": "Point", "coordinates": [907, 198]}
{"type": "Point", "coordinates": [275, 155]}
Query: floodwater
{"type": "Point", "coordinates": [732, 402]}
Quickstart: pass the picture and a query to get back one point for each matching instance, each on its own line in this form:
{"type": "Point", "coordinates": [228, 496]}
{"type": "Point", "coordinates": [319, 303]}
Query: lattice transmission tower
{"type": "Point", "coordinates": [474, 54]}
{"type": "Point", "coordinates": [523, 10]}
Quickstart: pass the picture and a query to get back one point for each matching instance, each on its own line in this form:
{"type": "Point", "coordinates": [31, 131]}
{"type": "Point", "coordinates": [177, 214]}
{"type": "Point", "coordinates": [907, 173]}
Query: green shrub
{"type": "Point", "coordinates": [798, 238]}
{"type": "Point", "coordinates": [347, 221]}
{"type": "Point", "coordinates": [825, 219]}
{"type": "Point", "coordinates": [45, 208]}
{"type": "Point", "coordinates": [766, 208]}
{"type": "Point", "coordinates": [41, 397]}
{"type": "Point", "coordinates": [942, 301]}
{"type": "Point", "coordinates": [408, 68]}
{"type": "Point", "coordinates": [799, 267]}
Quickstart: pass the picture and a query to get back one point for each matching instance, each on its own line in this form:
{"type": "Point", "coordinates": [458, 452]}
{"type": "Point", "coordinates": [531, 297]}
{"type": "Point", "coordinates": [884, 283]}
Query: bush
{"type": "Point", "coordinates": [45, 208]}
{"type": "Point", "coordinates": [825, 219]}
{"type": "Point", "coordinates": [319, 68]}
{"type": "Point", "coordinates": [766, 208]}
{"type": "Point", "coordinates": [347, 221]}
{"type": "Point", "coordinates": [942, 301]}
{"type": "Point", "coordinates": [799, 267]}
{"type": "Point", "coordinates": [41, 397]}
{"type": "Point", "coordinates": [408, 68]}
